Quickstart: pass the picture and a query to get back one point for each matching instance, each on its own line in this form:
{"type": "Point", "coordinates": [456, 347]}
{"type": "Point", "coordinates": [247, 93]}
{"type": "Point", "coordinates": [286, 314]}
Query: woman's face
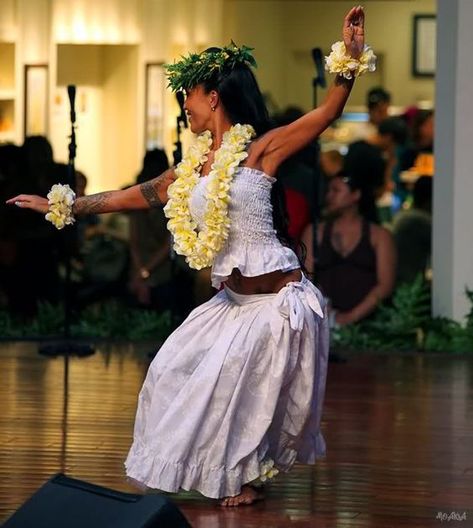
{"type": "Point", "coordinates": [198, 107]}
{"type": "Point", "coordinates": [340, 197]}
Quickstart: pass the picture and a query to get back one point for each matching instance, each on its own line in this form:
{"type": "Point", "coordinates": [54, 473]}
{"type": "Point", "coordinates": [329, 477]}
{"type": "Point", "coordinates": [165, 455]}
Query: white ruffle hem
{"type": "Point", "coordinates": [242, 380]}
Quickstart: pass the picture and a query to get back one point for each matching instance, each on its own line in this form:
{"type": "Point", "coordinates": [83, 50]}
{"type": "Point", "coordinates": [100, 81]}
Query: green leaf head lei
{"type": "Point", "coordinates": [196, 68]}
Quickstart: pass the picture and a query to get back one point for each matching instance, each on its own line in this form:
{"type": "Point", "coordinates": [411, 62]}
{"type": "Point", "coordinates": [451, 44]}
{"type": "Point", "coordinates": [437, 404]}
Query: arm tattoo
{"type": "Point", "coordinates": [95, 203]}
{"type": "Point", "coordinates": [150, 189]}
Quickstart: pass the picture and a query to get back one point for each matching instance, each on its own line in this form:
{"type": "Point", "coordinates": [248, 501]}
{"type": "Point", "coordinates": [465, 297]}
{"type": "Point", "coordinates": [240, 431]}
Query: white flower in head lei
{"type": "Point", "coordinates": [200, 247]}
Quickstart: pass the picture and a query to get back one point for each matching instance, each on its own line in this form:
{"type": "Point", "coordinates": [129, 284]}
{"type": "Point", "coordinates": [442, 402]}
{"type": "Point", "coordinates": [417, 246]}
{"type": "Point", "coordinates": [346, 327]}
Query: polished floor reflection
{"type": "Point", "coordinates": [399, 430]}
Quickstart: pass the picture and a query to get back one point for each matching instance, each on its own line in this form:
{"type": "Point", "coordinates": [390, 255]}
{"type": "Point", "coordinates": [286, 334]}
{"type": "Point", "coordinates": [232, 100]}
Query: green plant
{"type": "Point", "coordinates": [111, 319]}
{"type": "Point", "coordinates": [406, 324]}
{"type": "Point", "coordinates": [49, 320]}
{"type": "Point", "coordinates": [395, 326]}
{"type": "Point", "coordinates": [6, 325]}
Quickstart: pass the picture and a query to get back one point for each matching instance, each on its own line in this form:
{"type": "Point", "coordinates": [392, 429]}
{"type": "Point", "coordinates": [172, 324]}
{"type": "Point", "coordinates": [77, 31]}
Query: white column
{"type": "Point", "coordinates": [453, 187]}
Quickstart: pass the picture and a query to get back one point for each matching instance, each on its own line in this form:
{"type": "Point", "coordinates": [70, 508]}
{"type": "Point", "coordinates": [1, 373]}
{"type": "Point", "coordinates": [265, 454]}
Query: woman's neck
{"type": "Point", "coordinates": [218, 128]}
{"type": "Point", "coordinates": [348, 216]}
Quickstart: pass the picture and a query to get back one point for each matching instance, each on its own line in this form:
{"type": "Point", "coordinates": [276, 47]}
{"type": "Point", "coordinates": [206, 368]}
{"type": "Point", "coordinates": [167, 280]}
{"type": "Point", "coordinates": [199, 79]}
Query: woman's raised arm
{"type": "Point", "coordinates": [281, 143]}
{"type": "Point", "coordinates": [152, 193]}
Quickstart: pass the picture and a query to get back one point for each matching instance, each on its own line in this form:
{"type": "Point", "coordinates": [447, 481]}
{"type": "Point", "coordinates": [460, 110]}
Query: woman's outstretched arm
{"type": "Point", "coordinates": [146, 195]}
{"type": "Point", "coordinates": [280, 143]}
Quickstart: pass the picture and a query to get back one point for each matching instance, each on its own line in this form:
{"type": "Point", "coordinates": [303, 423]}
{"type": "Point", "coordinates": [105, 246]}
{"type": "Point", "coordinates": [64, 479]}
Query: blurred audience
{"type": "Point", "coordinates": [412, 230]}
{"type": "Point", "coordinates": [300, 179]}
{"type": "Point", "coordinates": [378, 101]}
{"type": "Point", "coordinates": [156, 279]}
{"type": "Point", "coordinates": [421, 138]}
{"type": "Point", "coordinates": [129, 255]}
{"type": "Point", "coordinates": [366, 163]}
{"type": "Point", "coordinates": [356, 261]}
{"type": "Point", "coordinates": [105, 260]}
{"type": "Point", "coordinates": [380, 148]}
{"type": "Point", "coordinates": [30, 270]}
{"type": "Point", "coordinates": [331, 162]}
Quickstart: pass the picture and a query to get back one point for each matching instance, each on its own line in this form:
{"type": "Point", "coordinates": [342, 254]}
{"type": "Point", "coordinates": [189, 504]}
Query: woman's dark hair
{"type": "Point", "coordinates": [394, 127]}
{"type": "Point", "coordinates": [365, 167]}
{"type": "Point", "coordinates": [155, 163]}
{"type": "Point", "coordinates": [376, 96]}
{"type": "Point", "coordinates": [37, 151]}
{"type": "Point", "coordinates": [367, 203]}
{"type": "Point", "coordinates": [240, 95]}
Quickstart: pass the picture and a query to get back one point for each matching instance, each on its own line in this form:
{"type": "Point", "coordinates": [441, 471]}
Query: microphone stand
{"type": "Point", "coordinates": [67, 346]}
{"type": "Point", "coordinates": [181, 122]}
{"type": "Point", "coordinates": [318, 80]}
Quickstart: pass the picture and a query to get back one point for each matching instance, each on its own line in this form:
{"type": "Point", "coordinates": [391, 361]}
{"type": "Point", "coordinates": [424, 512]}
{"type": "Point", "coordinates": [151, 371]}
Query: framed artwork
{"type": "Point", "coordinates": [36, 100]}
{"type": "Point", "coordinates": [424, 45]}
{"type": "Point", "coordinates": [155, 88]}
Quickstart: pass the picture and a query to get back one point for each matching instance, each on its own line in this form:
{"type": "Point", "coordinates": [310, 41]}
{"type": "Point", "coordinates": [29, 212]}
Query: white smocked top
{"type": "Point", "coordinates": [252, 245]}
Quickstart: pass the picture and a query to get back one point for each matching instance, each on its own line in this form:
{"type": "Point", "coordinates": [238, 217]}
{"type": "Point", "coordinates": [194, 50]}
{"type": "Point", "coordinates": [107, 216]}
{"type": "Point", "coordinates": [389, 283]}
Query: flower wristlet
{"type": "Point", "coordinates": [267, 472]}
{"type": "Point", "coordinates": [339, 61]}
{"type": "Point", "coordinates": [61, 199]}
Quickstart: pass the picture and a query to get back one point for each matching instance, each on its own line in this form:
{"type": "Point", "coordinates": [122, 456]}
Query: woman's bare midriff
{"type": "Point", "coordinates": [267, 283]}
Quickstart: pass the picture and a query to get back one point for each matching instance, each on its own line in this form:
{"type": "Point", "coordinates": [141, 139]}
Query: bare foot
{"type": "Point", "coordinates": [248, 495]}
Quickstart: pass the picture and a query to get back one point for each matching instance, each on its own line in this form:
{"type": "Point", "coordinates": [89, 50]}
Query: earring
{"type": "Point", "coordinates": [212, 108]}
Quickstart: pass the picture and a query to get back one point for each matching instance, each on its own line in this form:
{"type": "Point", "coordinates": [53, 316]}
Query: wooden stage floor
{"type": "Point", "coordinates": [399, 430]}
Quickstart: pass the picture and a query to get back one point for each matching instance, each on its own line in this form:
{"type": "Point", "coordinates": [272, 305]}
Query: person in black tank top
{"type": "Point", "coordinates": [356, 261]}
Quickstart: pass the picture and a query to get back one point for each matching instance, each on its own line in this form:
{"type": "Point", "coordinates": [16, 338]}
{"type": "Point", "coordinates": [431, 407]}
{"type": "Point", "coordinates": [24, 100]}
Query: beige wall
{"type": "Point", "coordinates": [8, 20]}
{"type": "Point", "coordinates": [107, 112]}
{"type": "Point", "coordinates": [261, 25]}
{"type": "Point", "coordinates": [284, 32]}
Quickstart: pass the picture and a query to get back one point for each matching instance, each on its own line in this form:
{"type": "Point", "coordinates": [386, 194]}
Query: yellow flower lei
{"type": "Point", "coordinates": [200, 247]}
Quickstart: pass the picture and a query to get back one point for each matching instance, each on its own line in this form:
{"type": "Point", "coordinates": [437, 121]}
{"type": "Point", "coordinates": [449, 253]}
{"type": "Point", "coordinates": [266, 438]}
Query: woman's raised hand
{"type": "Point", "coordinates": [354, 31]}
{"type": "Point", "coordinates": [30, 201]}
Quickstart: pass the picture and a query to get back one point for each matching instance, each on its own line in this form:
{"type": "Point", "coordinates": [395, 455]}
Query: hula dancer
{"type": "Point", "coordinates": [235, 394]}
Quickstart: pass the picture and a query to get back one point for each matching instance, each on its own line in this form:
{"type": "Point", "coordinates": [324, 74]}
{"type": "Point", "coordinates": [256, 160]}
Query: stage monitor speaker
{"type": "Point", "coordinates": [64, 502]}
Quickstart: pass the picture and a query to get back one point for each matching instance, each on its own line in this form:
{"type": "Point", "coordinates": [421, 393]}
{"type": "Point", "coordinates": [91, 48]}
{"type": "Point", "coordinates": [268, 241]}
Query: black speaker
{"type": "Point", "coordinates": [64, 502]}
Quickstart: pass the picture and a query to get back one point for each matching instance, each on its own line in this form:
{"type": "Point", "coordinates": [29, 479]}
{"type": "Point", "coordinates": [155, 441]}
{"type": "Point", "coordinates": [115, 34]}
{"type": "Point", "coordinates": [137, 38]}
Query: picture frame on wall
{"type": "Point", "coordinates": [424, 52]}
{"type": "Point", "coordinates": [36, 100]}
{"type": "Point", "coordinates": [155, 89]}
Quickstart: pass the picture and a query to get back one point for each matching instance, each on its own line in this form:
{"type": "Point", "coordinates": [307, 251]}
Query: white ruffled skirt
{"type": "Point", "coordinates": [240, 382]}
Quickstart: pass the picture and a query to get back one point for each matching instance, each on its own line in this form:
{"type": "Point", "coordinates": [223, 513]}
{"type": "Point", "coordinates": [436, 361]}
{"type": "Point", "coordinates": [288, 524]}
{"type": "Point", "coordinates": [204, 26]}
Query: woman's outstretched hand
{"type": "Point", "coordinates": [354, 31]}
{"type": "Point", "coordinates": [30, 201]}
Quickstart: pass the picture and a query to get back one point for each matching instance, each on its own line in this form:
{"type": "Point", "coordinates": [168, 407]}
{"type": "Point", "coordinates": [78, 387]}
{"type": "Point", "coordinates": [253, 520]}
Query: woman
{"type": "Point", "coordinates": [356, 261]}
{"type": "Point", "coordinates": [235, 393]}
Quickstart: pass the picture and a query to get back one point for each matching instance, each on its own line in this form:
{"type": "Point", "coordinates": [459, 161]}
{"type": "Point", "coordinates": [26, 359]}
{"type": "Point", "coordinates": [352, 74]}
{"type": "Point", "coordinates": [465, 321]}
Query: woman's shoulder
{"type": "Point", "coordinates": [379, 234]}
{"type": "Point", "coordinates": [258, 150]}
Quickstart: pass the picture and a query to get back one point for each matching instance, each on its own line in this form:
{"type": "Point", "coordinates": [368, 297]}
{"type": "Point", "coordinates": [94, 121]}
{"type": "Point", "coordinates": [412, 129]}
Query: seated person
{"type": "Point", "coordinates": [422, 138]}
{"type": "Point", "coordinates": [412, 230]}
{"type": "Point", "coordinates": [356, 261]}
